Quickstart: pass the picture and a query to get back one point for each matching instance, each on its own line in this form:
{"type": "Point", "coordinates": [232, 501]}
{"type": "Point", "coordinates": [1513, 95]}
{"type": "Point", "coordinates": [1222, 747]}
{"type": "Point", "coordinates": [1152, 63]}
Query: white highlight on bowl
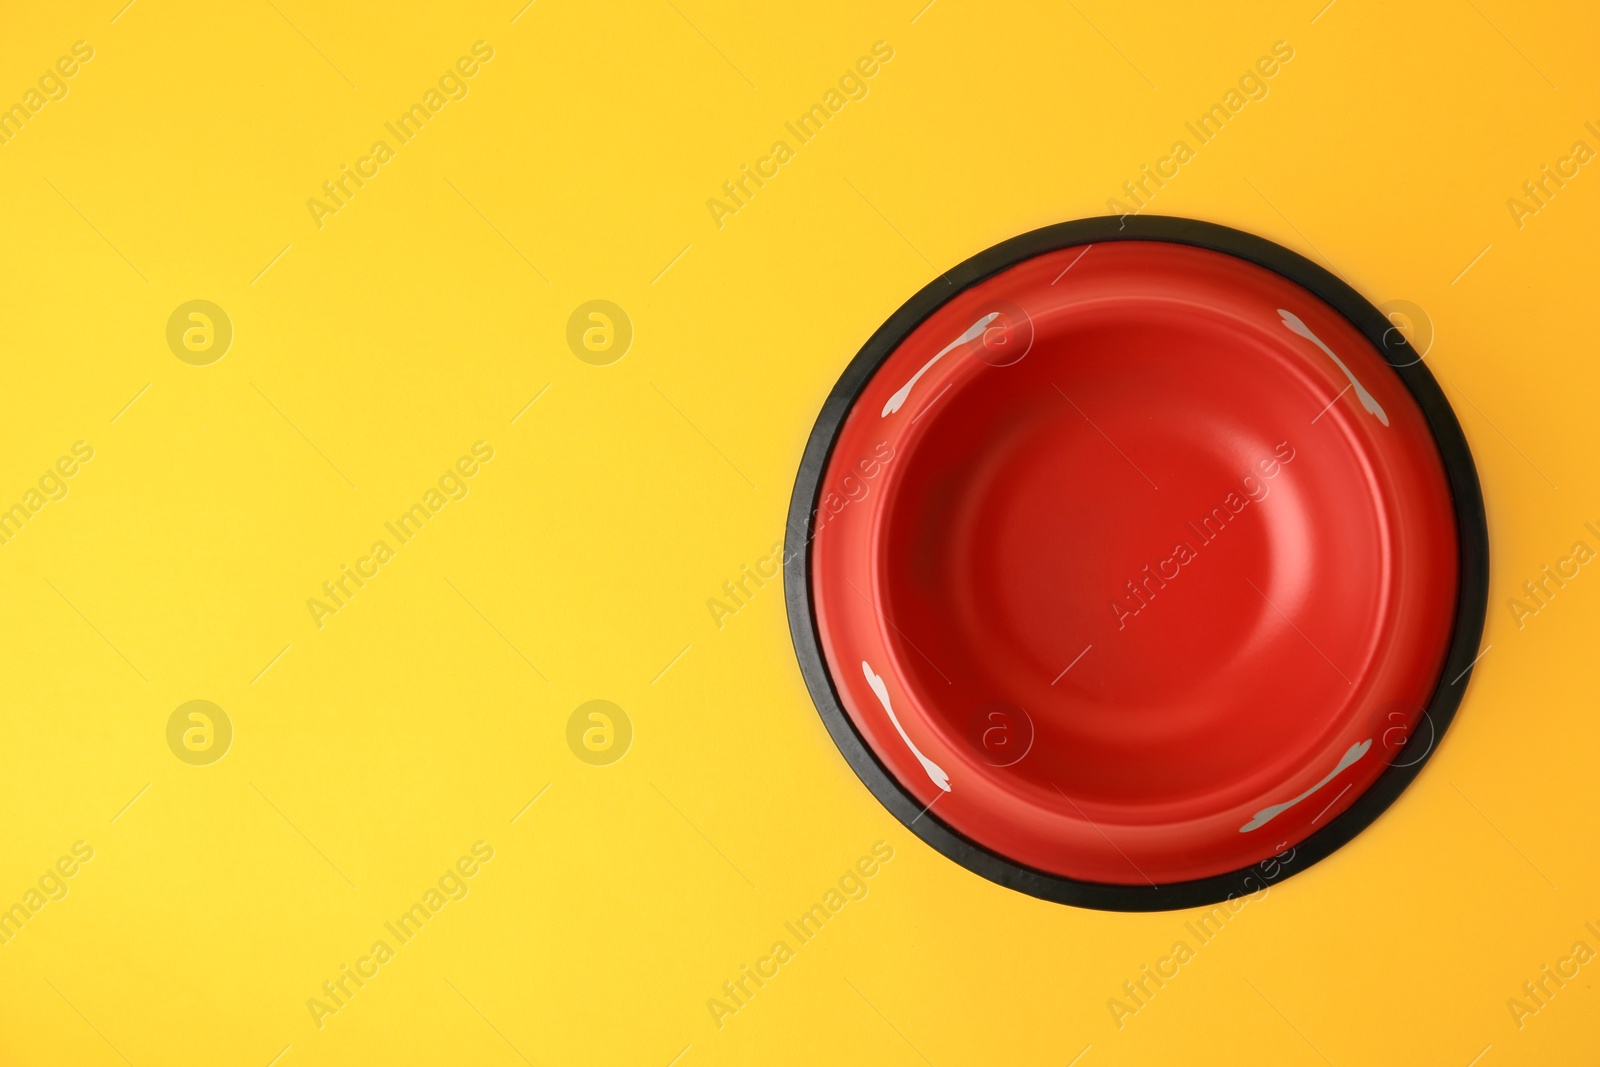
{"type": "Point", "coordinates": [972, 333]}
{"type": "Point", "coordinates": [1266, 815]}
{"type": "Point", "coordinates": [1292, 321]}
{"type": "Point", "coordinates": [935, 772]}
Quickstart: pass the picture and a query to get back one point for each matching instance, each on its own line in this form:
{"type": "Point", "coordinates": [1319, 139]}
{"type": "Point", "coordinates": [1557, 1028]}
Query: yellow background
{"type": "Point", "coordinates": [428, 312]}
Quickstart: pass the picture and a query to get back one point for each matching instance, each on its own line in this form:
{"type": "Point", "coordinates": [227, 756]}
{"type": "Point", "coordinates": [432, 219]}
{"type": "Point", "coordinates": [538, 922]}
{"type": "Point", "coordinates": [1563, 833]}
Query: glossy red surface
{"type": "Point", "coordinates": [1138, 566]}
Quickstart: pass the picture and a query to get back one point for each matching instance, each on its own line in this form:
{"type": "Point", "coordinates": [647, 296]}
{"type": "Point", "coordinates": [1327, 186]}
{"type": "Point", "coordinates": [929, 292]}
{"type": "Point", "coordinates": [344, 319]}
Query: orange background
{"type": "Point", "coordinates": [370, 754]}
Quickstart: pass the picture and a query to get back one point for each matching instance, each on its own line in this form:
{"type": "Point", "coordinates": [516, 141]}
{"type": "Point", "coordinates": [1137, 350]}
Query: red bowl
{"type": "Point", "coordinates": [1137, 564]}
